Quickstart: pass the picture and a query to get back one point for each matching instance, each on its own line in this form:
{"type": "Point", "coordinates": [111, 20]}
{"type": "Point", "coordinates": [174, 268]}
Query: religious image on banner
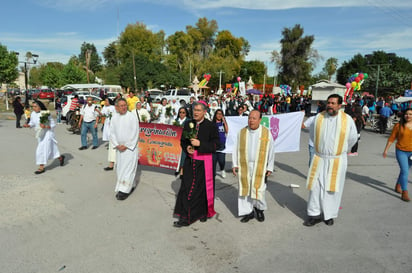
{"type": "Point", "coordinates": [284, 128]}
{"type": "Point", "coordinates": [159, 145]}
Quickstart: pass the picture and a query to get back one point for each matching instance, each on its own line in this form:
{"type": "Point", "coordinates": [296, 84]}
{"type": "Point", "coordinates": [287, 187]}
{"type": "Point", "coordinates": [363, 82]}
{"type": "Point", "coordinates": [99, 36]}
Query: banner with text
{"type": "Point", "coordinates": [159, 145]}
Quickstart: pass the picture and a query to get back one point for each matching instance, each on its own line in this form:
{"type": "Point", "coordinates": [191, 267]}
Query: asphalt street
{"type": "Point", "coordinates": [68, 219]}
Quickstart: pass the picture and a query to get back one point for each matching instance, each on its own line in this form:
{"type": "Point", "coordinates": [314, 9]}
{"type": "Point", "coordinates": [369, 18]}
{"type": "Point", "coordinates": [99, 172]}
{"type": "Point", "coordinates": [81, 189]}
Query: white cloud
{"type": "Point", "coordinates": [195, 5]}
{"type": "Point", "coordinates": [54, 47]}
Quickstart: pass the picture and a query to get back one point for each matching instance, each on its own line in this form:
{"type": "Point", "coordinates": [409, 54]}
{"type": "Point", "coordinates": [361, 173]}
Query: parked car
{"type": "Point", "coordinates": [112, 95]}
{"type": "Point", "coordinates": [44, 94]}
{"type": "Point", "coordinates": [66, 101]}
{"type": "Point", "coordinates": [181, 95]}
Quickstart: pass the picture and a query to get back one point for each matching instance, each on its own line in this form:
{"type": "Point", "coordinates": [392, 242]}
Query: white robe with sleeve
{"type": "Point", "coordinates": [47, 144]}
{"type": "Point", "coordinates": [321, 200]}
{"type": "Point", "coordinates": [246, 203]}
{"type": "Point", "coordinates": [124, 130]}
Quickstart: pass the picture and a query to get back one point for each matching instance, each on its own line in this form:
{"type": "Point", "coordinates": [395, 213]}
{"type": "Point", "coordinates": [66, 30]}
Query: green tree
{"type": "Point", "coordinates": [8, 65]}
{"type": "Point", "coordinates": [331, 65]}
{"type": "Point", "coordinates": [203, 34]}
{"type": "Point", "coordinates": [254, 69]}
{"type": "Point", "coordinates": [89, 57]}
{"type": "Point", "coordinates": [394, 72]}
{"type": "Point", "coordinates": [110, 55]}
{"type": "Point", "coordinates": [52, 74]}
{"type": "Point", "coordinates": [73, 73]}
{"type": "Point", "coordinates": [297, 57]}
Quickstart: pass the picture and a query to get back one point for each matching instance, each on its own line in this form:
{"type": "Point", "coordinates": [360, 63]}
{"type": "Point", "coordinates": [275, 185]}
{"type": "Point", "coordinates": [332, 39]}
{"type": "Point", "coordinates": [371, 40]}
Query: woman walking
{"type": "Point", "coordinates": [47, 148]}
{"type": "Point", "coordinates": [402, 133]}
{"type": "Point", "coordinates": [222, 128]}
{"type": "Point", "coordinates": [18, 110]}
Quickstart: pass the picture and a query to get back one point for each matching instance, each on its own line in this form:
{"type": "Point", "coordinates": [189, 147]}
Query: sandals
{"type": "Point", "coordinates": [39, 171]}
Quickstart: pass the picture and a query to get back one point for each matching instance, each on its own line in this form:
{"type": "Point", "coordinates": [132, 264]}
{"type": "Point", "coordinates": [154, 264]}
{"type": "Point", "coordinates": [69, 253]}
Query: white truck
{"type": "Point", "coordinates": [181, 95]}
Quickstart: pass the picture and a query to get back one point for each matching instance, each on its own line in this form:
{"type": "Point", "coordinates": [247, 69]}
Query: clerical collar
{"type": "Point", "coordinates": [198, 122]}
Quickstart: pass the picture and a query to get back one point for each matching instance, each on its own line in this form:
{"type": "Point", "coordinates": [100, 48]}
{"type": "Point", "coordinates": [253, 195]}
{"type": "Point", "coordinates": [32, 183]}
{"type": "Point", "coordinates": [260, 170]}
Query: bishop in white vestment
{"type": "Point", "coordinates": [124, 134]}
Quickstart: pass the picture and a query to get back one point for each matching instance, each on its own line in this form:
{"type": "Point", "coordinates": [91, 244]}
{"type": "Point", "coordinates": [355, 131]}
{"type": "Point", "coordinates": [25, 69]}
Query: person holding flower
{"type": "Point", "coordinates": [44, 125]}
{"type": "Point", "coordinates": [195, 199]}
{"type": "Point", "coordinates": [108, 112]}
{"type": "Point", "coordinates": [163, 112]}
{"type": "Point", "coordinates": [182, 118]}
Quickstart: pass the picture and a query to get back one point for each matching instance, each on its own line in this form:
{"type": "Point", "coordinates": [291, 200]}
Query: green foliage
{"type": "Point", "coordinates": [394, 72]}
{"type": "Point", "coordinates": [95, 61]}
{"type": "Point", "coordinates": [72, 73]}
{"type": "Point", "coordinates": [255, 69]}
{"type": "Point", "coordinates": [110, 55]}
{"type": "Point", "coordinates": [8, 65]}
{"type": "Point", "coordinates": [297, 57]}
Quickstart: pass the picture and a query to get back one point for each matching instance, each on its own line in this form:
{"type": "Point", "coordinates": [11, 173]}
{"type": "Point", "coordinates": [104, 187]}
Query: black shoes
{"type": "Point", "coordinates": [61, 159]}
{"type": "Point", "coordinates": [94, 147]}
{"type": "Point", "coordinates": [39, 171]}
{"type": "Point", "coordinates": [203, 219]}
{"type": "Point", "coordinates": [108, 169]}
{"type": "Point", "coordinates": [180, 223]}
{"type": "Point", "coordinates": [83, 148]}
{"type": "Point", "coordinates": [312, 221]}
{"type": "Point", "coordinates": [248, 217]}
{"type": "Point", "coordinates": [329, 222]}
{"type": "Point", "coordinates": [122, 195]}
{"type": "Point", "coordinates": [259, 215]}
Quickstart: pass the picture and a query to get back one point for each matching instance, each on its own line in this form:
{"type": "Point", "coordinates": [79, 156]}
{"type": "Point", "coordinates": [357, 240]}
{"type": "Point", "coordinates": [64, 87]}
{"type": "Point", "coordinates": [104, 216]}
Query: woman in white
{"type": "Point", "coordinates": [161, 112]}
{"type": "Point", "coordinates": [108, 111]}
{"type": "Point", "coordinates": [47, 144]}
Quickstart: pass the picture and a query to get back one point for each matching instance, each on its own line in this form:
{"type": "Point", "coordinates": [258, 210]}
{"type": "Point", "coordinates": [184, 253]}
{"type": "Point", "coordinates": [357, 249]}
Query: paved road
{"type": "Point", "coordinates": [68, 219]}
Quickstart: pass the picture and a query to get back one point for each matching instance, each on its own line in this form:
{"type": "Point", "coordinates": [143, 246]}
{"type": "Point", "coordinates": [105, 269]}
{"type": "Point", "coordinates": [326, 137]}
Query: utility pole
{"type": "Point", "coordinates": [220, 90]}
{"type": "Point", "coordinates": [134, 73]}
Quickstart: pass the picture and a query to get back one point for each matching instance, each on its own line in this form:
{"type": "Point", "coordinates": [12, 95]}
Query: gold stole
{"type": "Point", "coordinates": [332, 181]}
{"type": "Point", "coordinates": [259, 170]}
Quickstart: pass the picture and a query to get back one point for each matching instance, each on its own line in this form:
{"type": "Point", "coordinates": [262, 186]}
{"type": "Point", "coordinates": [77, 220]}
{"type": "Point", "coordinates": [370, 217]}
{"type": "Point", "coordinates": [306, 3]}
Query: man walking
{"type": "Point", "coordinates": [384, 113]}
{"type": "Point", "coordinates": [124, 134]}
{"type": "Point", "coordinates": [89, 118]}
{"type": "Point", "coordinates": [253, 158]}
{"type": "Point", "coordinates": [333, 133]}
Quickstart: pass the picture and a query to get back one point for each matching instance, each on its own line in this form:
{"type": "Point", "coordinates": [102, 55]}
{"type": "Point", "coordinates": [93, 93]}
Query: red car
{"type": "Point", "coordinates": [44, 94]}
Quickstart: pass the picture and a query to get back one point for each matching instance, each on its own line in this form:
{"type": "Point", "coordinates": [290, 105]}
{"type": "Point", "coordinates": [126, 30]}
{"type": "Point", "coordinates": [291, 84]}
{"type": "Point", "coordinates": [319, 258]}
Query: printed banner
{"type": "Point", "coordinates": [285, 130]}
{"type": "Point", "coordinates": [159, 145]}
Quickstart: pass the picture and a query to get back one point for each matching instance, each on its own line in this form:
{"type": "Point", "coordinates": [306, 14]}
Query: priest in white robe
{"type": "Point", "coordinates": [108, 112]}
{"type": "Point", "coordinates": [124, 134]}
{"type": "Point", "coordinates": [333, 132]}
{"type": "Point", "coordinates": [253, 160]}
{"type": "Point", "coordinates": [47, 144]}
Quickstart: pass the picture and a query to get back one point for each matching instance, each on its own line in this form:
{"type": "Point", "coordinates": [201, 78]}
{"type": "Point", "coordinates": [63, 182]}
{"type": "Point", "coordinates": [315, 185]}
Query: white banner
{"type": "Point", "coordinates": [285, 130]}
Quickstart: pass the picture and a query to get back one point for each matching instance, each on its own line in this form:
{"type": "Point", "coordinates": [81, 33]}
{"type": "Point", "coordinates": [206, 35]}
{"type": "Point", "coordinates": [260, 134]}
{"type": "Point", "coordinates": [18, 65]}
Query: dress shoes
{"type": "Point", "coordinates": [203, 219]}
{"type": "Point", "coordinates": [122, 195]}
{"type": "Point", "coordinates": [83, 148]}
{"type": "Point", "coordinates": [329, 222]}
{"type": "Point", "coordinates": [61, 159]}
{"type": "Point", "coordinates": [312, 221]}
{"type": "Point", "coordinates": [39, 171]}
{"type": "Point", "coordinates": [180, 223]}
{"type": "Point", "coordinates": [259, 215]}
{"type": "Point", "coordinates": [248, 217]}
{"type": "Point", "coordinates": [94, 147]}
{"type": "Point", "coordinates": [108, 168]}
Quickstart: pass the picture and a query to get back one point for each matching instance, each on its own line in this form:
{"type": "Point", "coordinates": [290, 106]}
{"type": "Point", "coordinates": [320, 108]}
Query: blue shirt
{"type": "Point", "coordinates": [386, 112]}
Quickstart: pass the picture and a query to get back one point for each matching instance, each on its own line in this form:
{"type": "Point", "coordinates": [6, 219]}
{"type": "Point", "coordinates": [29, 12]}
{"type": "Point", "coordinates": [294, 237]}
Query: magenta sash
{"type": "Point", "coordinates": [208, 162]}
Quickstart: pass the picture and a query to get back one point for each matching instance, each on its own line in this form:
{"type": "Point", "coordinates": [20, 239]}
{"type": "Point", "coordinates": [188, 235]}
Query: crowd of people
{"type": "Point", "coordinates": [334, 134]}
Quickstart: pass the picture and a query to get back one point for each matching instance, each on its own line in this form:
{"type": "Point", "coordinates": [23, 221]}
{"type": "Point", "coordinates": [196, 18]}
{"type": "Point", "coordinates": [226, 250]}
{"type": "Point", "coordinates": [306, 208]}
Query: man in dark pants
{"type": "Point", "coordinates": [384, 113]}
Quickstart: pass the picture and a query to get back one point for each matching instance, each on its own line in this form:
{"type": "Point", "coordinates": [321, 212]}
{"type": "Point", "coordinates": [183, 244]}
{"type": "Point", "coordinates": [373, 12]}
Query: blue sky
{"type": "Point", "coordinates": [56, 29]}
